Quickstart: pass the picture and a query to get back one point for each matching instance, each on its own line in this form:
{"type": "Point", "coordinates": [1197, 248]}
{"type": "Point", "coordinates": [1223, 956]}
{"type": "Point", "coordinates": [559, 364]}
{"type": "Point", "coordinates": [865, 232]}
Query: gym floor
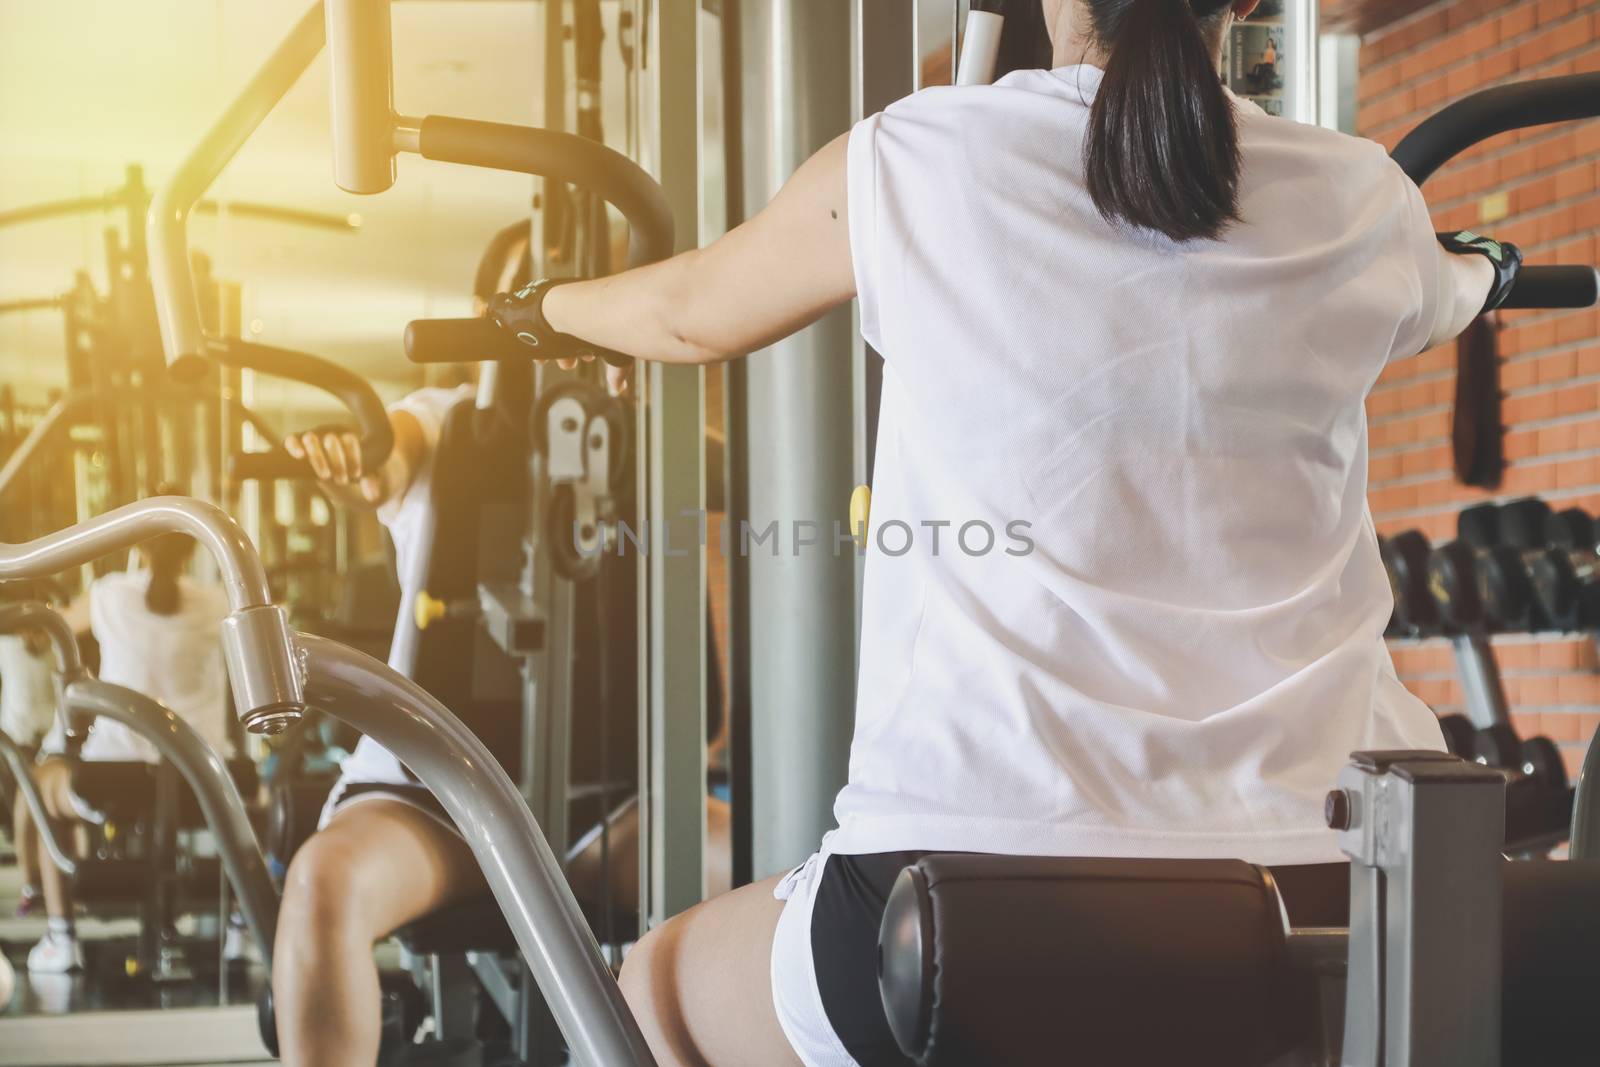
{"type": "Point", "coordinates": [115, 1019]}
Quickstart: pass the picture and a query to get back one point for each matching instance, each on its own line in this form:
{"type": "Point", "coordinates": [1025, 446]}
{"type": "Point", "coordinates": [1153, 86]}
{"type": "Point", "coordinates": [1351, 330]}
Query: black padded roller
{"type": "Point", "coordinates": [1032, 961]}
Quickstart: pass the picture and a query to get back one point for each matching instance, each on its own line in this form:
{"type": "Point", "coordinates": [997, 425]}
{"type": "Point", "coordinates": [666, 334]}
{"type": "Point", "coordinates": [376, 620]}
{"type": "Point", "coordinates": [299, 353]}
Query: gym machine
{"type": "Point", "coordinates": [85, 698]}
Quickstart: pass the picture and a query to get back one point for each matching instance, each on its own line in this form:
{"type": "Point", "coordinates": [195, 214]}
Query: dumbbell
{"type": "Point", "coordinates": [1541, 758]}
{"type": "Point", "coordinates": [1479, 583]}
{"type": "Point", "coordinates": [1480, 589]}
{"type": "Point", "coordinates": [1497, 745]}
{"type": "Point", "coordinates": [1525, 526]}
{"type": "Point", "coordinates": [1458, 735]}
{"type": "Point", "coordinates": [1573, 532]}
{"type": "Point", "coordinates": [1405, 557]}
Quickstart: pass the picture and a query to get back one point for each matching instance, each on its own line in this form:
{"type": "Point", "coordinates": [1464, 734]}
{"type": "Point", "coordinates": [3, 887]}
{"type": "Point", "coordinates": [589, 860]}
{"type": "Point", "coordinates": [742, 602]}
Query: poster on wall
{"type": "Point", "coordinates": [1254, 57]}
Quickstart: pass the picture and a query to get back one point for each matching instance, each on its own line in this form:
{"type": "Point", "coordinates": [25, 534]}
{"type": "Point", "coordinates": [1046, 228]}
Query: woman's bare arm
{"type": "Point", "coordinates": [1464, 282]}
{"type": "Point", "coordinates": [777, 273]}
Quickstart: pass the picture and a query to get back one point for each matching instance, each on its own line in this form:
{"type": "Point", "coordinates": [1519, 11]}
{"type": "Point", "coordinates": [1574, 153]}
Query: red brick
{"type": "Point", "coordinates": [1576, 400]}
{"type": "Point", "coordinates": [1555, 152]}
{"type": "Point", "coordinates": [1551, 10]}
{"type": "Point", "coordinates": [1518, 20]}
{"type": "Point", "coordinates": [1560, 726]}
{"type": "Point", "coordinates": [1576, 180]}
{"type": "Point", "coordinates": [1554, 225]}
{"type": "Point", "coordinates": [1547, 45]}
{"type": "Point", "coordinates": [1497, 65]}
{"type": "Point", "coordinates": [1575, 326]}
{"type": "Point", "coordinates": [1534, 194]}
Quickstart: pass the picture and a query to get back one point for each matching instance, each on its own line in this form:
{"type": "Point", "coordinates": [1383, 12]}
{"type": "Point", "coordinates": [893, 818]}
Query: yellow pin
{"type": "Point", "coordinates": [860, 514]}
{"type": "Point", "coordinates": [428, 610]}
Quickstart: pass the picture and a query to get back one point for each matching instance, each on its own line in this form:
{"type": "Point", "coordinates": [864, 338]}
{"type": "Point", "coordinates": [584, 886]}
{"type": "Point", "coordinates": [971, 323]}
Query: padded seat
{"type": "Point", "coordinates": [1023, 961]}
{"type": "Point", "coordinates": [121, 789]}
{"type": "Point", "coordinates": [471, 925]}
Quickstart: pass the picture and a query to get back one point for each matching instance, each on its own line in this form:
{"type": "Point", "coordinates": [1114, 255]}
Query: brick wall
{"type": "Point", "coordinates": [1551, 375]}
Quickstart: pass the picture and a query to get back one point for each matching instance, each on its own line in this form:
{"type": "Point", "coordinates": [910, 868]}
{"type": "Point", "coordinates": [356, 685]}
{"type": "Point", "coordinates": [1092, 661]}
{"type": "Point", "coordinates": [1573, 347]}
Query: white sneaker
{"type": "Point", "coordinates": [238, 946]}
{"type": "Point", "coordinates": [55, 955]}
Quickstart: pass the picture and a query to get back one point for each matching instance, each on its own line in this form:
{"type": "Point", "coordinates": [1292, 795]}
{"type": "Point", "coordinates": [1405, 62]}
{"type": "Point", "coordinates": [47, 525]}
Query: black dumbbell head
{"type": "Point", "coordinates": [1458, 734]}
{"type": "Point", "coordinates": [1541, 759]}
{"type": "Point", "coordinates": [1555, 590]}
{"type": "Point", "coordinates": [1523, 522]}
{"type": "Point", "coordinates": [1406, 558]}
{"type": "Point", "coordinates": [1497, 746]}
{"type": "Point", "coordinates": [1479, 525]}
{"type": "Point", "coordinates": [1570, 528]}
{"type": "Point", "coordinates": [1456, 585]}
{"type": "Point", "coordinates": [1507, 589]}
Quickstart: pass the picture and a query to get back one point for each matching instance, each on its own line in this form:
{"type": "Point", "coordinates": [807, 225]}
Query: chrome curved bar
{"type": "Point", "coordinates": [177, 306]}
{"type": "Point", "coordinates": [258, 645]}
{"type": "Point", "coordinates": [517, 862]}
{"type": "Point", "coordinates": [69, 663]}
{"type": "Point", "coordinates": [243, 577]}
{"type": "Point", "coordinates": [17, 764]}
{"type": "Point", "coordinates": [213, 786]}
{"type": "Point", "coordinates": [33, 615]}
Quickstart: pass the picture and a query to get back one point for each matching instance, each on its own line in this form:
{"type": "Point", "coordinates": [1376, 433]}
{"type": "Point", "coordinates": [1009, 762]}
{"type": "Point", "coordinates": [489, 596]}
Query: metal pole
{"type": "Point", "coordinates": [801, 443]}
{"type": "Point", "coordinates": [673, 611]}
{"type": "Point", "coordinates": [361, 94]}
{"type": "Point", "coordinates": [523, 873]}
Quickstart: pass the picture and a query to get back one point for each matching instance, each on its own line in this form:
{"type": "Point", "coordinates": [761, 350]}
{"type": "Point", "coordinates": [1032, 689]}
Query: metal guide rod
{"type": "Point", "coordinates": [522, 871]}
{"type": "Point", "coordinates": [672, 615]}
{"type": "Point", "coordinates": [801, 447]}
{"type": "Point", "coordinates": [1483, 692]}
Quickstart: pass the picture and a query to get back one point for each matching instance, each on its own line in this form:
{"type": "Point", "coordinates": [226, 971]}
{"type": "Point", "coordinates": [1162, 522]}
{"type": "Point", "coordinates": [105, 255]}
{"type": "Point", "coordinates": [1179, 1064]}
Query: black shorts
{"type": "Point", "coordinates": [848, 910]}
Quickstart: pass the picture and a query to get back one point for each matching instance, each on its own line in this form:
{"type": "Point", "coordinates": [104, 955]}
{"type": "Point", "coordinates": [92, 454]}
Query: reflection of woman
{"type": "Point", "coordinates": [27, 705]}
{"type": "Point", "coordinates": [158, 631]}
{"type": "Point", "coordinates": [385, 852]}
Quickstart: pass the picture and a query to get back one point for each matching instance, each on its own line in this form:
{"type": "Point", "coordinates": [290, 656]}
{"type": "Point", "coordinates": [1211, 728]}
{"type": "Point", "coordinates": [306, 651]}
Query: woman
{"type": "Point", "coordinates": [1066, 273]}
{"type": "Point", "coordinates": [385, 852]}
{"type": "Point", "coordinates": [159, 633]}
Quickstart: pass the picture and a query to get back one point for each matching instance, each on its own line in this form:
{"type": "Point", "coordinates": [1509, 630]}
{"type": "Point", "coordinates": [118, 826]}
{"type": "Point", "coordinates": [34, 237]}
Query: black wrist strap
{"type": "Point", "coordinates": [536, 331]}
{"type": "Point", "coordinates": [1505, 257]}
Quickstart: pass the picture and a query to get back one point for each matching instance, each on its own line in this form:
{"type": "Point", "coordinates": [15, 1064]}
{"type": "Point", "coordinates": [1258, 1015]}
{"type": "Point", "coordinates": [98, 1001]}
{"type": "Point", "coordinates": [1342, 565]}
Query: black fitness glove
{"type": "Point", "coordinates": [522, 315]}
{"type": "Point", "coordinates": [1505, 257]}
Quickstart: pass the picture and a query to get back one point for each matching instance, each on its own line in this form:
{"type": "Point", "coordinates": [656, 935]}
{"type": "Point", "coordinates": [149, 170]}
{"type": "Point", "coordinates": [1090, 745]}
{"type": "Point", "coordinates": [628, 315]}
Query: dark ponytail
{"type": "Point", "coordinates": [1162, 151]}
{"type": "Point", "coordinates": [167, 555]}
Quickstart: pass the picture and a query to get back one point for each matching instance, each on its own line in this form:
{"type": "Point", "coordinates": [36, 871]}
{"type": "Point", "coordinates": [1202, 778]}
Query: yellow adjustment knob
{"type": "Point", "coordinates": [860, 514]}
{"type": "Point", "coordinates": [428, 610]}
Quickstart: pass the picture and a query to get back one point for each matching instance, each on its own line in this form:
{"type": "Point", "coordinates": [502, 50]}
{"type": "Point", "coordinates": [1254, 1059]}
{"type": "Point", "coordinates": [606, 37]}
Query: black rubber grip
{"type": "Point", "coordinates": [563, 157]}
{"type": "Point", "coordinates": [462, 341]}
{"type": "Point", "coordinates": [276, 465]}
{"type": "Point", "coordinates": [1555, 287]}
{"type": "Point", "coordinates": [351, 390]}
{"type": "Point", "coordinates": [1484, 114]}
{"type": "Point", "coordinates": [480, 340]}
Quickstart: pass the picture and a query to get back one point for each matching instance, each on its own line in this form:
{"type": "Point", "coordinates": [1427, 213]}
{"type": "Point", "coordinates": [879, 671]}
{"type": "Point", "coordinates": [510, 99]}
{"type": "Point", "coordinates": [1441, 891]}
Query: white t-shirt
{"type": "Point", "coordinates": [1182, 661]}
{"type": "Point", "coordinates": [409, 519]}
{"type": "Point", "coordinates": [27, 690]}
{"type": "Point", "coordinates": [176, 659]}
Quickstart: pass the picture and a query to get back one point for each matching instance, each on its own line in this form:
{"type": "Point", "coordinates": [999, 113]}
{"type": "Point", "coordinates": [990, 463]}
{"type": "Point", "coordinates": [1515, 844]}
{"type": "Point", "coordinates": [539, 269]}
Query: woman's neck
{"type": "Point", "coordinates": [1074, 45]}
